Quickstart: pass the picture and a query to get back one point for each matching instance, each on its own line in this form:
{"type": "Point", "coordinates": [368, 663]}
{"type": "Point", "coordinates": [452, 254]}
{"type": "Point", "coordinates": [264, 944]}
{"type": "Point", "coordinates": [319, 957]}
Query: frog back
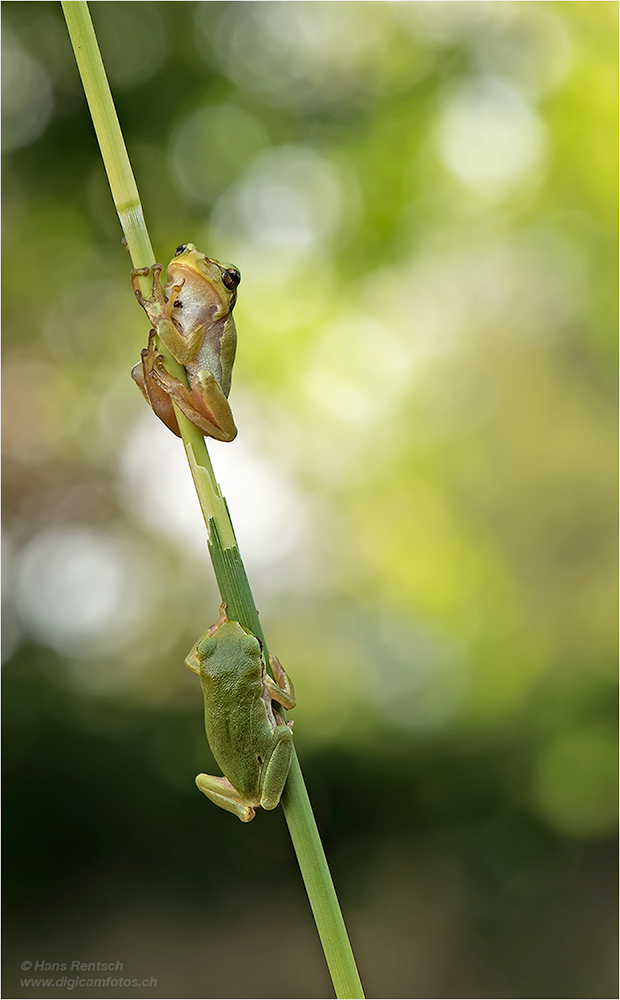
{"type": "Point", "coordinates": [237, 719]}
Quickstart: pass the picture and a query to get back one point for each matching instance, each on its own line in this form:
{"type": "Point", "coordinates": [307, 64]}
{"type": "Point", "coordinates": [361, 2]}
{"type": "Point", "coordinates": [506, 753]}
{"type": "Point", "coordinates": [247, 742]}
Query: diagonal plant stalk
{"type": "Point", "coordinates": [227, 563]}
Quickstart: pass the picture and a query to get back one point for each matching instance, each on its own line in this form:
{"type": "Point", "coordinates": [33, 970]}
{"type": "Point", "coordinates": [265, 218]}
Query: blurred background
{"type": "Point", "coordinates": [421, 198]}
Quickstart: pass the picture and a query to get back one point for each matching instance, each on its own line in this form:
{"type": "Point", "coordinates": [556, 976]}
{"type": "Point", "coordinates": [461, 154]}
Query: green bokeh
{"type": "Point", "coordinates": [421, 198]}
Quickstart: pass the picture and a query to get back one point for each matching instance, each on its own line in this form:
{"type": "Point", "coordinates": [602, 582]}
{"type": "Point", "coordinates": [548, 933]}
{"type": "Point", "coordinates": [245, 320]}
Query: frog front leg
{"type": "Point", "coordinates": [183, 348]}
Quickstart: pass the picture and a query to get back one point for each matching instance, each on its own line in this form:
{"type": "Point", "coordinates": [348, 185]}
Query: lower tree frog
{"type": "Point", "coordinates": [248, 738]}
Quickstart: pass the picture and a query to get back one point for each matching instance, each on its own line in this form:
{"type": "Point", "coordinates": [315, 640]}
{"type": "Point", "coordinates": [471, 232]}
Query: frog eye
{"type": "Point", "coordinates": [231, 277]}
{"type": "Point", "coordinates": [180, 249]}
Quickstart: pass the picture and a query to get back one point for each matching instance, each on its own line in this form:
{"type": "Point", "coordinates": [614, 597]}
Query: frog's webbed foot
{"type": "Point", "coordinates": [281, 688]}
{"type": "Point", "coordinates": [156, 295]}
{"type": "Point", "coordinates": [221, 620]}
{"type": "Point", "coordinates": [157, 307]}
{"type": "Point", "coordinates": [280, 721]}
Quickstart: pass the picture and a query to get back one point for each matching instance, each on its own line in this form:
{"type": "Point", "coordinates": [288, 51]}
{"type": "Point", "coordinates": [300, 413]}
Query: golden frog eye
{"type": "Point", "coordinates": [180, 249]}
{"type": "Point", "coordinates": [231, 277]}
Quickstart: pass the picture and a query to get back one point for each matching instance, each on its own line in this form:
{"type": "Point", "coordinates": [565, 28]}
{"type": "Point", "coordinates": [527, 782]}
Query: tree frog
{"type": "Point", "coordinates": [193, 317]}
{"type": "Point", "coordinates": [248, 738]}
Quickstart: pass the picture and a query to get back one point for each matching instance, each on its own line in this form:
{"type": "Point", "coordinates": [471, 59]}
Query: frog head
{"type": "Point", "coordinates": [223, 278]}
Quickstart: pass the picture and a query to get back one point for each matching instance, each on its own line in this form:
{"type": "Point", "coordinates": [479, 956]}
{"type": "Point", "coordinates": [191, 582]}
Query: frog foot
{"type": "Point", "coordinates": [157, 296]}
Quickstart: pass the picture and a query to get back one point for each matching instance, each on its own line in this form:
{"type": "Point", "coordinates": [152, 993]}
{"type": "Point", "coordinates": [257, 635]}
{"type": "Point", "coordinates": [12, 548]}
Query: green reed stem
{"type": "Point", "coordinates": [227, 563]}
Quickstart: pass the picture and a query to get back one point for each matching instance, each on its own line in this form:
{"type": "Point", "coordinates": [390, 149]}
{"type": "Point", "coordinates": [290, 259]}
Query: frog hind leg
{"type": "Point", "coordinates": [276, 771]}
{"type": "Point", "coordinates": [157, 398]}
{"type": "Point", "coordinates": [220, 791]}
{"type": "Point", "coordinates": [205, 405]}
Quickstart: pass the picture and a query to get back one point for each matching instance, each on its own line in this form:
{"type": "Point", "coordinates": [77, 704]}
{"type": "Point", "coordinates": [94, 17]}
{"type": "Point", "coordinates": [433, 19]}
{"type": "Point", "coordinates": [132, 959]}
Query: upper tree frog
{"type": "Point", "coordinates": [249, 739]}
{"type": "Point", "coordinates": [193, 317]}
